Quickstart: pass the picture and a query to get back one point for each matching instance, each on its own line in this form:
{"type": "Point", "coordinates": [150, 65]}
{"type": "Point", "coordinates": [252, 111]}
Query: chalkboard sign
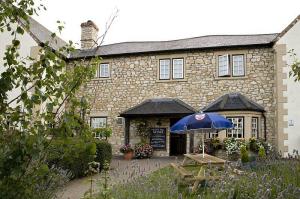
{"type": "Point", "coordinates": [158, 138]}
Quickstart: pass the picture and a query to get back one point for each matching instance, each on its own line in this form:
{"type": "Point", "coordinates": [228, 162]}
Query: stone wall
{"type": "Point", "coordinates": [135, 78]}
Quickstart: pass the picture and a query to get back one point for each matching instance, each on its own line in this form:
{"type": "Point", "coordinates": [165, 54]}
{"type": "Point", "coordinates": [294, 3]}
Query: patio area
{"type": "Point", "coordinates": [121, 171]}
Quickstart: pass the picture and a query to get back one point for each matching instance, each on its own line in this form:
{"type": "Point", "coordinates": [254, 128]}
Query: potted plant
{"type": "Point", "coordinates": [127, 150]}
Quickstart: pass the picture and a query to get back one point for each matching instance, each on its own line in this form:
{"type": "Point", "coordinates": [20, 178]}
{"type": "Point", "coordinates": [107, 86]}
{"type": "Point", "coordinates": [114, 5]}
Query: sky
{"type": "Point", "coordinates": [150, 20]}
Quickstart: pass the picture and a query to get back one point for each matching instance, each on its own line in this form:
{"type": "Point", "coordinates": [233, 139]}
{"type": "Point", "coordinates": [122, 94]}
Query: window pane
{"type": "Point", "coordinates": [104, 70]}
{"type": "Point", "coordinates": [238, 129]}
{"type": "Point", "coordinates": [98, 122]}
{"type": "Point", "coordinates": [164, 69]}
{"type": "Point", "coordinates": [223, 65]}
{"type": "Point", "coordinates": [177, 68]}
{"type": "Point", "coordinates": [238, 65]}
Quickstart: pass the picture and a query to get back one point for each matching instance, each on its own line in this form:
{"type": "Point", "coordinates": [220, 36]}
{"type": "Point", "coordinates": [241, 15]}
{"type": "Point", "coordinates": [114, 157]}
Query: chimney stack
{"type": "Point", "coordinates": [89, 35]}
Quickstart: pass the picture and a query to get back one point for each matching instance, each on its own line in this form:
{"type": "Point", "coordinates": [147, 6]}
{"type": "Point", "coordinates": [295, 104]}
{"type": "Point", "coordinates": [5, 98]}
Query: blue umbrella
{"type": "Point", "coordinates": [202, 121]}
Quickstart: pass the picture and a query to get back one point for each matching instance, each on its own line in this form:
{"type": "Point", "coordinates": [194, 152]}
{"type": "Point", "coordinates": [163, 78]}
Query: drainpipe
{"type": "Point", "coordinates": [265, 125]}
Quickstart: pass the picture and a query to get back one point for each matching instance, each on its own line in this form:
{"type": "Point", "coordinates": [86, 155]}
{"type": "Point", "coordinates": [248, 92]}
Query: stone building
{"type": "Point", "coordinates": [160, 82]}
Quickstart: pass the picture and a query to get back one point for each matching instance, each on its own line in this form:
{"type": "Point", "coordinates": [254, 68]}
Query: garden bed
{"type": "Point", "coordinates": [266, 179]}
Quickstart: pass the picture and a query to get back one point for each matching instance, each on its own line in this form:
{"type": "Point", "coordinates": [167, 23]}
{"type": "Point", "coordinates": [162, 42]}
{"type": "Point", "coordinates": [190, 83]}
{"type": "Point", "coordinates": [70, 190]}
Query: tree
{"type": "Point", "coordinates": [27, 130]}
{"type": "Point", "coordinates": [295, 66]}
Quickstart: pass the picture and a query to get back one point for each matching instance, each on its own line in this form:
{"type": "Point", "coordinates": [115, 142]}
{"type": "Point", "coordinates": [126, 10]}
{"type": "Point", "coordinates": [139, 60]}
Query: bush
{"type": "Point", "coordinates": [231, 146]}
{"type": "Point", "coordinates": [253, 145]}
{"type": "Point", "coordinates": [72, 154]}
{"type": "Point", "coordinates": [262, 152]}
{"type": "Point", "coordinates": [143, 151]}
{"type": "Point", "coordinates": [103, 152]}
{"type": "Point", "coordinates": [102, 133]}
{"type": "Point", "coordinates": [244, 154]}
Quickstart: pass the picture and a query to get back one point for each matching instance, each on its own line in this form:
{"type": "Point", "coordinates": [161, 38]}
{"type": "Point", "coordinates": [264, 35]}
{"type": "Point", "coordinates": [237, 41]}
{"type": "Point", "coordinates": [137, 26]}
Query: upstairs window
{"type": "Point", "coordinates": [238, 68]}
{"type": "Point", "coordinates": [238, 127]}
{"type": "Point", "coordinates": [103, 71]}
{"type": "Point", "coordinates": [223, 65]}
{"type": "Point", "coordinates": [164, 68]}
{"type": "Point", "coordinates": [177, 68]}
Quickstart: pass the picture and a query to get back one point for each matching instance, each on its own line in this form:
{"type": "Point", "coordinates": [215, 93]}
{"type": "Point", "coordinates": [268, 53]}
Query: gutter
{"type": "Point", "coordinates": [265, 126]}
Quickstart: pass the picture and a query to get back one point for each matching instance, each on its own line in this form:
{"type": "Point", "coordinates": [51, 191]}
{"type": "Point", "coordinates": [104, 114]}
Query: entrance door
{"type": "Point", "coordinates": [177, 141]}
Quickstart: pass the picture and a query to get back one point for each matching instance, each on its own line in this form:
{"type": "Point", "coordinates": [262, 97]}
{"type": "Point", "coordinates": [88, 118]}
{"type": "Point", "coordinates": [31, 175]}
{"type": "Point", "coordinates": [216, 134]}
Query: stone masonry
{"type": "Point", "coordinates": [134, 78]}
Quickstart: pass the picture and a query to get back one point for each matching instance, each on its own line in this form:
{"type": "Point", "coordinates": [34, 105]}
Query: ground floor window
{"type": "Point", "coordinates": [238, 127]}
{"type": "Point", "coordinates": [214, 134]}
{"type": "Point", "coordinates": [254, 127]}
{"type": "Point", "coordinates": [98, 122]}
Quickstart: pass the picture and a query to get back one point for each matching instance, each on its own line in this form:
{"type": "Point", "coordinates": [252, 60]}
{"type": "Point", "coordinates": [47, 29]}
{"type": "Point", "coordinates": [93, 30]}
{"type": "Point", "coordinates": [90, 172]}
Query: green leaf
{"type": "Point", "coordinates": [20, 30]}
{"type": "Point", "coordinates": [16, 42]}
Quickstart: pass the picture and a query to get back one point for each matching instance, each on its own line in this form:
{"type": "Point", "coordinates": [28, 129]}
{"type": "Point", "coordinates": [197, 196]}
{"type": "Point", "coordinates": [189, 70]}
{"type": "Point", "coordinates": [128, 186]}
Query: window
{"type": "Point", "coordinates": [214, 134]}
{"type": "Point", "coordinates": [238, 68]}
{"type": "Point", "coordinates": [254, 127]}
{"type": "Point", "coordinates": [238, 127]}
{"type": "Point", "coordinates": [177, 68]}
{"type": "Point", "coordinates": [98, 122]}
{"type": "Point", "coordinates": [164, 68]}
{"type": "Point", "coordinates": [103, 70]}
{"type": "Point", "coordinates": [223, 64]}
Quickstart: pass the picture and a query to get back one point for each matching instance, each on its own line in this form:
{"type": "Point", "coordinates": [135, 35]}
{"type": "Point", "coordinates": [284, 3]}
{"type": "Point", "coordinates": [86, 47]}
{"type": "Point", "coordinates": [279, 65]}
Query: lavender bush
{"type": "Point", "coordinates": [272, 178]}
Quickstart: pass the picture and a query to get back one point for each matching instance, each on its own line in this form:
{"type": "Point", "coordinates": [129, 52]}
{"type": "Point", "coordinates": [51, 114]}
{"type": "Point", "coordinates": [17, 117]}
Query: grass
{"type": "Point", "coordinates": [269, 179]}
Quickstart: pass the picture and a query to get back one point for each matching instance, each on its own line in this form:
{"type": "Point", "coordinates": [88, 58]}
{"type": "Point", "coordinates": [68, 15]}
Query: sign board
{"type": "Point", "coordinates": [158, 138]}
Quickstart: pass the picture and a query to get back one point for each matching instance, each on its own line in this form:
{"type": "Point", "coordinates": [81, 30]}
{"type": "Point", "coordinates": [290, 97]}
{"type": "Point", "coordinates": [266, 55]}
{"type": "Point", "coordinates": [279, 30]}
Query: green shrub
{"type": "Point", "coordinates": [72, 154]}
{"type": "Point", "coordinates": [253, 145]}
{"type": "Point", "coordinates": [244, 154]}
{"type": "Point", "coordinates": [262, 152]}
{"type": "Point", "coordinates": [104, 152]}
{"type": "Point", "coordinates": [102, 133]}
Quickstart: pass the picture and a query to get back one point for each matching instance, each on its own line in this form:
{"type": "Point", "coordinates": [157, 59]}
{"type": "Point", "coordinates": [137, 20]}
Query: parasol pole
{"type": "Point", "coordinates": [202, 143]}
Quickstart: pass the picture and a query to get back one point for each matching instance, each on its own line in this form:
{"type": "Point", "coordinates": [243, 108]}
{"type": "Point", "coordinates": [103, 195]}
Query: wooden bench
{"type": "Point", "coordinates": [182, 171]}
{"type": "Point", "coordinates": [202, 161]}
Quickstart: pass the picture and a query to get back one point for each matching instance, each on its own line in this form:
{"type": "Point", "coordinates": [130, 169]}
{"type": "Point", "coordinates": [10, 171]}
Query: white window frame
{"type": "Point", "coordinates": [238, 127]}
{"type": "Point", "coordinates": [104, 72]}
{"type": "Point", "coordinates": [100, 125]}
{"type": "Point", "coordinates": [223, 65]}
{"type": "Point", "coordinates": [165, 68]}
{"type": "Point", "coordinates": [254, 127]}
{"type": "Point", "coordinates": [214, 134]}
{"type": "Point", "coordinates": [238, 65]}
{"type": "Point", "coordinates": [178, 75]}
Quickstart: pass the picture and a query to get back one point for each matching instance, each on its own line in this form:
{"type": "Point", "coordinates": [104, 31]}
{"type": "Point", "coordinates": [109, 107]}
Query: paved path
{"type": "Point", "coordinates": [121, 172]}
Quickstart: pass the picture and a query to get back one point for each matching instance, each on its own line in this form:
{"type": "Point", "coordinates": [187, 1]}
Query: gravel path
{"type": "Point", "coordinates": [121, 172]}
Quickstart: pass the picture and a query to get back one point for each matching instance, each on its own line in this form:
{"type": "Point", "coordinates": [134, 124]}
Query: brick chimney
{"type": "Point", "coordinates": [89, 34]}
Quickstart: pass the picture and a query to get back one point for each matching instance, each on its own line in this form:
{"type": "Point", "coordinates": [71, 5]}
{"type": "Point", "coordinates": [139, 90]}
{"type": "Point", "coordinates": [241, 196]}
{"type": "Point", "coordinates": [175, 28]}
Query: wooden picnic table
{"type": "Point", "coordinates": [202, 161]}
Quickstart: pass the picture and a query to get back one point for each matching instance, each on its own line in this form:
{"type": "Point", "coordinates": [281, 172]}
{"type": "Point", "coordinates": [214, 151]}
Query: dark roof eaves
{"type": "Point", "coordinates": [232, 110]}
{"type": "Point", "coordinates": [269, 44]}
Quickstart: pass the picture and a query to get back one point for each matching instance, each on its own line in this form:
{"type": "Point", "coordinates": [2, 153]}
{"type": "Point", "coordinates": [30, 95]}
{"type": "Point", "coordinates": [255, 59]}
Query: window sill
{"type": "Point", "coordinates": [171, 80]}
{"type": "Point", "coordinates": [231, 78]}
{"type": "Point", "coordinates": [101, 79]}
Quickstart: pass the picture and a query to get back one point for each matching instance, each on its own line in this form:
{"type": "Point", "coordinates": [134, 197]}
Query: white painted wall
{"type": "Point", "coordinates": [27, 42]}
{"type": "Point", "coordinates": [292, 41]}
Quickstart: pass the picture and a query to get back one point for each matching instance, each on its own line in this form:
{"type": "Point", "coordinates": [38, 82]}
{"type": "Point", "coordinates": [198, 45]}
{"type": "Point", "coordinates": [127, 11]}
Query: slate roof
{"type": "Point", "coordinates": [211, 41]}
{"type": "Point", "coordinates": [41, 34]}
{"type": "Point", "coordinates": [233, 102]}
{"type": "Point", "coordinates": [159, 107]}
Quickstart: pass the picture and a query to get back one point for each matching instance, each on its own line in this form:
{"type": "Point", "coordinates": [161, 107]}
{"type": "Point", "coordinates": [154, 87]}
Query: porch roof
{"type": "Point", "coordinates": [159, 107]}
{"type": "Point", "coordinates": [233, 102]}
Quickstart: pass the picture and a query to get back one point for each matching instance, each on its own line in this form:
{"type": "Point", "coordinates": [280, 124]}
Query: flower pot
{"type": "Point", "coordinates": [128, 155]}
